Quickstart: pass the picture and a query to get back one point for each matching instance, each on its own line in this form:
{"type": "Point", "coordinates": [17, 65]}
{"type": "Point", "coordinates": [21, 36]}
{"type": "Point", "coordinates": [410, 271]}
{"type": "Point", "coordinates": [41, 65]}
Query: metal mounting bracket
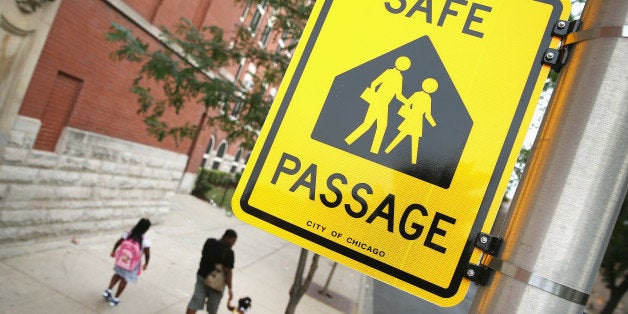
{"type": "Point", "coordinates": [487, 243]}
{"type": "Point", "coordinates": [563, 28]}
{"type": "Point", "coordinates": [490, 245]}
{"type": "Point", "coordinates": [479, 274]}
{"type": "Point", "coordinates": [557, 58]}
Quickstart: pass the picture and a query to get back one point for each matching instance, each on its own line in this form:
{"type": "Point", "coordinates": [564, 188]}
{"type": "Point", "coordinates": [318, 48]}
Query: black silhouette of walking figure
{"type": "Point", "coordinates": [379, 95]}
{"type": "Point", "coordinates": [419, 105]}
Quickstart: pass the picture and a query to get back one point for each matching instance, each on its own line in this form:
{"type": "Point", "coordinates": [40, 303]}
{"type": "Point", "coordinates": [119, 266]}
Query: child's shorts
{"type": "Point", "coordinates": [129, 276]}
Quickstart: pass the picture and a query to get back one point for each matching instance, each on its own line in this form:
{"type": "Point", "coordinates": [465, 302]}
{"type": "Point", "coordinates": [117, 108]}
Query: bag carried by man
{"type": "Point", "coordinates": [370, 93]}
{"type": "Point", "coordinates": [216, 279]}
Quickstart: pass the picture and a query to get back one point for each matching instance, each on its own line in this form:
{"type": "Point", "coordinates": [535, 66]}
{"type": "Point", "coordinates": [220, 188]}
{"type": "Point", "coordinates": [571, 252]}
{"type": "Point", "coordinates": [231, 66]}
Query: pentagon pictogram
{"type": "Point", "coordinates": [438, 121]}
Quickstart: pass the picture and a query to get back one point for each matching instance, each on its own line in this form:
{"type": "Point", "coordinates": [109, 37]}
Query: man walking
{"type": "Point", "coordinates": [214, 252]}
{"type": "Point", "coordinates": [379, 94]}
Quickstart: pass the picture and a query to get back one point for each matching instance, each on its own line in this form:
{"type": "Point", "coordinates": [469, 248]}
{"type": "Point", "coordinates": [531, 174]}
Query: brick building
{"type": "Point", "coordinates": [75, 156]}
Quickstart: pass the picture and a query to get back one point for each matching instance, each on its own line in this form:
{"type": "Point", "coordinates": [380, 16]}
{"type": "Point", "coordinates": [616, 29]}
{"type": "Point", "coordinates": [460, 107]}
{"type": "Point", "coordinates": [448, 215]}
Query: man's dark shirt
{"type": "Point", "coordinates": [215, 252]}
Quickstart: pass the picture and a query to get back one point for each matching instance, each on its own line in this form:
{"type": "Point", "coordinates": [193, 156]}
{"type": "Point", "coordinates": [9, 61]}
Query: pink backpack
{"type": "Point", "coordinates": [129, 255]}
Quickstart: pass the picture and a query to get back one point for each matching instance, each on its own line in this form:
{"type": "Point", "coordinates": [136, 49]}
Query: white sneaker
{"type": "Point", "coordinates": [113, 301]}
{"type": "Point", "coordinates": [107, 294]}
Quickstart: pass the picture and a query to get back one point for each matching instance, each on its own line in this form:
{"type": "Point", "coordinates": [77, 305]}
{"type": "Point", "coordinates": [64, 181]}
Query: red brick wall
{"type": "Point", "coordinates": [224, 15]}
{"type": "Point", "coordinates": [147, 9]}
{"type": "Point", "coordinates": [77, 46]}
{"type": "Point", "coordinates": [166, 15]}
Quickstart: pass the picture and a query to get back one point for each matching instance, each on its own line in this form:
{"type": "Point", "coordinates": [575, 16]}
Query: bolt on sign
{"type": "Point", "coordinates": [393, 135]}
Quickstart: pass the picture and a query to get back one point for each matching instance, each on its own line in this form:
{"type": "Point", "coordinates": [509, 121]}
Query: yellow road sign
{"type": "Point", "coordinates": [393, 135]}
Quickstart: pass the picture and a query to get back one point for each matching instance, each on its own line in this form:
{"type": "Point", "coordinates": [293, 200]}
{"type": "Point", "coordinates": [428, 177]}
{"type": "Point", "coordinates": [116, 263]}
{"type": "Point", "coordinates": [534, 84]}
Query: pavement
{"type": "Point", "coordinates": [69, 277]}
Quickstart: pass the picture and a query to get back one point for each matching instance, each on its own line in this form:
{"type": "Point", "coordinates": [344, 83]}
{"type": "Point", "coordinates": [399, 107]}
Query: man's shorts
{"type": "Point", "coordinates": [202, 294]}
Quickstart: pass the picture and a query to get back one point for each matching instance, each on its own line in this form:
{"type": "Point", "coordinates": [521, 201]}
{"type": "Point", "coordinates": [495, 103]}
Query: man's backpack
{"type": "Point", "coordinates": [129, 255]}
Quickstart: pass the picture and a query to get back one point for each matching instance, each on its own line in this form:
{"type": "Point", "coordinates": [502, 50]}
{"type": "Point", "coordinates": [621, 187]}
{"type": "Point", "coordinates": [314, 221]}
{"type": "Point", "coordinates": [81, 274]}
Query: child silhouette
{"type": "Point", "coordinates": [419, 105]}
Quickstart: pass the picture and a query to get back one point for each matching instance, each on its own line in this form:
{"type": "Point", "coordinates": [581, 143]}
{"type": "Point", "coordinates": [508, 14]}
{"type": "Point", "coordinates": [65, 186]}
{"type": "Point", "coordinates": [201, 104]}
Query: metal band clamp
{"type": "Point", "coordinates": [537, 281]}
{"type": "Point", "coordinates": [597, 32]}
{"type": "Point", "coordinates": [480, 274]}
{"type": "Point", "coordinates": [569, 33]}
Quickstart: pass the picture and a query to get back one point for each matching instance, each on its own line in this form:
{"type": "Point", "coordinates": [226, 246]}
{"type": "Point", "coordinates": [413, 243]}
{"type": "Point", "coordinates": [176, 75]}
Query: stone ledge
{"type": "Point", "coordinates": [26, 205]}
{"type": "Point", "coordinates": [74, 228]}
{"type": "Point", "coordinates": [20, 218]}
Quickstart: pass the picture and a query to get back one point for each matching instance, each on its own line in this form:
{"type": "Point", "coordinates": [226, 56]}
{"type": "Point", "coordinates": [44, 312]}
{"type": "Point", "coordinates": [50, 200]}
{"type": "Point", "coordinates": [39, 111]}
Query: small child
{"type": "Point", "coordinates": [244, 305]}
{"type": "Point", "coordinates": [125, 257]}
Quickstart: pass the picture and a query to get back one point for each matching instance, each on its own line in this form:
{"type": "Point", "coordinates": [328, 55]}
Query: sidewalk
{"type": "Point", "coordinates": [70, 279]}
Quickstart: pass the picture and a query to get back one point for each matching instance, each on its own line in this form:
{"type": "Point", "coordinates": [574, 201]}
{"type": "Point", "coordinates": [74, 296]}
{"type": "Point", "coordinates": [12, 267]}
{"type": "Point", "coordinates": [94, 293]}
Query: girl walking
{"type": "Point", "coordinates": [128, 251]}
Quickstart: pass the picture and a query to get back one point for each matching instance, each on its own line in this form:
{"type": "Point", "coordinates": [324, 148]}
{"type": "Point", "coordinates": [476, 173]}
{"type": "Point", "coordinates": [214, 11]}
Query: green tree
{"type": "Point", "coordinates": [187, 67]}
{"type": "Point", "coordinates": [187, 72]}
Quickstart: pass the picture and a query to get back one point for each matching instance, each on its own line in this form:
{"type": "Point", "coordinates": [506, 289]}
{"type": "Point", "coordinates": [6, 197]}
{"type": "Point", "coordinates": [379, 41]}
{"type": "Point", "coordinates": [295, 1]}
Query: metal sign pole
{"type": "Point", "coordinates": [563, 214]}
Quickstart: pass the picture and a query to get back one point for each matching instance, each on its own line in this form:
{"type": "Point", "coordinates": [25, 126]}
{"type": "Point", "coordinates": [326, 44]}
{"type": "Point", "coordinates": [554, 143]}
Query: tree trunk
{"type": "Point", "coordinates": [292, 306]}
{"type": "Point", "coordinates": [617, 292]}
{"type": "Point", "coordinates": [300, 285]}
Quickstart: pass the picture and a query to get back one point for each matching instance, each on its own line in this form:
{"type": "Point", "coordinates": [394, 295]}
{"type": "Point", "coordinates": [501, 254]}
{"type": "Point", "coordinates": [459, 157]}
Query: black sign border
{"type": "Point", "coordinates": [489, 195]}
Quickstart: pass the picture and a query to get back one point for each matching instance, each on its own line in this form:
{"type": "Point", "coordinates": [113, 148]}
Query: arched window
{"type": "Point", "coordinates": [265, 34]}
{"type": "Point", "coordinates": [255, 21]}
{"type": "Point", "coordinates": [247, 6]}
{"type": "Point", "coordinates": [219, 154]}
{"type": "Point", "coordinates": [236, 161]}
{"type": "Point", "coordinates": [208, 152]}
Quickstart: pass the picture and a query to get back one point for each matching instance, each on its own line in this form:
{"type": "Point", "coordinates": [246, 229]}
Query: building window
{"type": "Point", "coordinates": [284, 36]}
{"type": "Point", "coordinates": [265, 34]}
{"type": "Point", "coordinates": [236, 161]}
{"type": "Point", "coordinates": [237, 107]}
{"type": "Point", "coordinates": [240, 67]}
{"type": "Point", "coordinates": [248, 79]}
{"type": "Point", "coordinates": [247, 7]}
{"type": "Point", "coordinates": [255, 21]}
{"type": "Point", "coordinates": [219, 154]}
{"type": "Point", "coordinates": [208, 152]}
